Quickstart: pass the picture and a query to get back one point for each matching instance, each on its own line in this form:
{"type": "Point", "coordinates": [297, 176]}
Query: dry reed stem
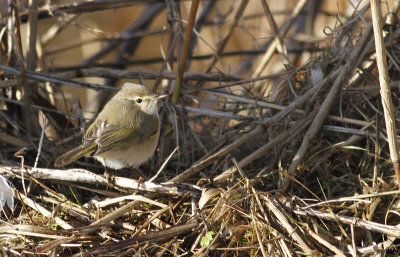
{"type": "Point", "coordinates": [385, 89]}
{"type": "Point", "coordinates": [29, 230]}
{"type": "Point", "coordinates": [184, 54]}
{"type": "Point", "coordinates": [254, 221]}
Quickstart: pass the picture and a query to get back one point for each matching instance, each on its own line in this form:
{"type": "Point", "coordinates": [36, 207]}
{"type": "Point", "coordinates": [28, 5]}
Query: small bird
{"type": "Point", "coordinates": [124, 134]}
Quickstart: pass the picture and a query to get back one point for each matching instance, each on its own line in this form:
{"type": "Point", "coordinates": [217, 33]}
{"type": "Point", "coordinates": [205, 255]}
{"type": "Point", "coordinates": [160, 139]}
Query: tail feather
{"type": "Point", "coordinates": [74, 154]}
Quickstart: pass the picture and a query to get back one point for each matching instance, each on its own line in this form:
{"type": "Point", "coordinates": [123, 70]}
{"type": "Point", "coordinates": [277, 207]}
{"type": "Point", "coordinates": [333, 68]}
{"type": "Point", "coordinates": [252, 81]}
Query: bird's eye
{"type": "Point", "coordinates": [139, 100]}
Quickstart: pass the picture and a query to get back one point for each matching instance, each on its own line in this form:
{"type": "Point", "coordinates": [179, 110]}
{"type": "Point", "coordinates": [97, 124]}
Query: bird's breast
{"type": "Point", "coordinates": [129, 155]}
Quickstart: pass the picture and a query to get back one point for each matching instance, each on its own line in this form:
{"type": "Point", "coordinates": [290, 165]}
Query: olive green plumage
{"type": "Point", "coordinates": [125, 133]}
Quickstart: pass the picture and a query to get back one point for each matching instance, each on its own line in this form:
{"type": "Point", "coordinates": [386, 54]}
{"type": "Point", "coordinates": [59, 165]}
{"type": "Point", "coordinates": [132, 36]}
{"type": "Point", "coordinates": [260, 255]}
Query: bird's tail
{"type": "Point", "coordinates": [74, 154]}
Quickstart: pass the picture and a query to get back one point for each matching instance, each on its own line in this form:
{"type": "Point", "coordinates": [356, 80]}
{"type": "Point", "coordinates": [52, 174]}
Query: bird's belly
{"type": "Point", "coordinates": [129, 156]}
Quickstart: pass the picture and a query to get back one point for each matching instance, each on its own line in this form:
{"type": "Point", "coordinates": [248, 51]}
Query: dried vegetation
{"type": "Point", "coordinates": [274, 113]}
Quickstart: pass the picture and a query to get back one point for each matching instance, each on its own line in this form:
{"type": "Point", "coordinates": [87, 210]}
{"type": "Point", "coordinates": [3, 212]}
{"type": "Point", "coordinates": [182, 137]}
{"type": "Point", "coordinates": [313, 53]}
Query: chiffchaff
{"type": "Point", "coordinates": [125, 133]}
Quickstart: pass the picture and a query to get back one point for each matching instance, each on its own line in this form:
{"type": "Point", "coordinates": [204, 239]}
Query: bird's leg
{"type": "Point", "coordinates": [108, 176]}
{"type": "Point", "coordinates": [141, 176]}
{"type": "Point", "coordinates": [140, 181]}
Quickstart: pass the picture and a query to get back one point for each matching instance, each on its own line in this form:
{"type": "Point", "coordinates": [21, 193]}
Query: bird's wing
{"type": "Point", "coordinates": [108, 135]}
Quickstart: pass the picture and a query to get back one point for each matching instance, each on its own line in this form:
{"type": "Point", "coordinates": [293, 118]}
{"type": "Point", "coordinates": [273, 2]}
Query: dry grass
{"type": "Point", "coordinates": [282, 148]}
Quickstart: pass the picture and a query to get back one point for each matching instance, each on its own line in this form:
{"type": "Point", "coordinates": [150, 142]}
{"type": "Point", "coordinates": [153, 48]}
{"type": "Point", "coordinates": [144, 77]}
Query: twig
{"type": "Point", "coordinates": [54, 30]}
{"type": "Point", "coordinates": [164, 165]}
{"type": "Point", "coordinates": [216, 114]}
{"type": "Point", "coordinates": [376, 248]}
{"type": "Point", "coordinates": [40, 142]}
{"type": "Point", "coordinates": [51, 78]}
{"type": "Point", "coordinates": [262, 103]}
{"type": "Point", "coordinates": [148, 15]}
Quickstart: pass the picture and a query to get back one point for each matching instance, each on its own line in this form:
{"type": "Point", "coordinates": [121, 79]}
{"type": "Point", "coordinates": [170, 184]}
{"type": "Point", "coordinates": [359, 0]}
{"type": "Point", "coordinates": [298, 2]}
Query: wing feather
{"type": "Point", "coordinates": [108, 134]}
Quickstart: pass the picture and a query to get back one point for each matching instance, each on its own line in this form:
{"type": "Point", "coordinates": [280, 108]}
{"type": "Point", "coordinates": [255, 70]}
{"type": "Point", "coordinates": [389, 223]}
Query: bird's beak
{"type": "Point", "coordinates": [159, 97]}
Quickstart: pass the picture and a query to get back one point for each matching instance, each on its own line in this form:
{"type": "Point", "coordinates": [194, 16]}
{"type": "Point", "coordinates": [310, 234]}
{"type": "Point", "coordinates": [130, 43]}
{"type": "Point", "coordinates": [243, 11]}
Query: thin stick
{"type": "Point", "coordinates": [163, 165]}
{"type": "Point", "coordinates": [40, 143]}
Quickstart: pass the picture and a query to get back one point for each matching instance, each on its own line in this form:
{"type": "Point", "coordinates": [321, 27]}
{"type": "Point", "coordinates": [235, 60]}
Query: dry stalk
{"type": "Point", "coordinates": [184, 55]}
{"type": "Point", "coordinates": [385, 89]}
